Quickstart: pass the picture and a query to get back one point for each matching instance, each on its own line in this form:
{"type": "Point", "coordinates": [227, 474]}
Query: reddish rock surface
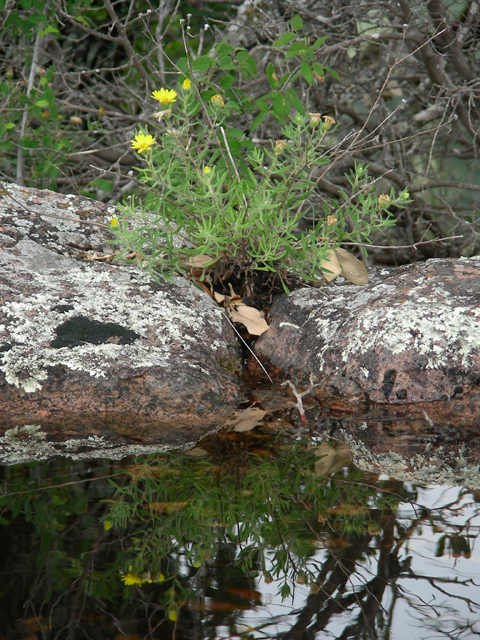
{"type": "Point", "coordinates": [412, 335]}
{"type": "Point", "coordinates": [96, 359]}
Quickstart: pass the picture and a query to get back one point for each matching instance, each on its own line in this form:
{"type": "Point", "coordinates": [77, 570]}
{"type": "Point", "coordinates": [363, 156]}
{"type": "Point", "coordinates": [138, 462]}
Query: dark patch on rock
{"type": "Point", "coordinates": [5, 347]}
{"type": "Point", "coordinates": [79, 330]}
{"type": "Point", "coordinates": [388, 382]}
{"type": "Point", "coordinates": [63, 308]}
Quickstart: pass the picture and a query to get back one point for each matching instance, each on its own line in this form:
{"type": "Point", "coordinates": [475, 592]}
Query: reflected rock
{"type": "Point", "coordinates": [97, 359]}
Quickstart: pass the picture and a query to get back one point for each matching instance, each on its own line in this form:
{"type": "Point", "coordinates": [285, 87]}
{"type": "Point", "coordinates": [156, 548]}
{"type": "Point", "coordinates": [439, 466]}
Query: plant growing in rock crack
{"type": "Point", "coordinates": [216, 198]}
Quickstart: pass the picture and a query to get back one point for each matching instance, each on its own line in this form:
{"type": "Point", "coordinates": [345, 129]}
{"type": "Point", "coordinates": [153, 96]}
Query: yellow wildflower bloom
{"type": "Point", "coordinates": [217, 100]}
{"type": "Point", "coordinates": [130, 579]}
{"type": "Point", "coordinates": [206, 169]}
{"type": "Point", "coordinates": [108, 523]}
{"type": "Point", "coordinates": [164, 96]}
{"type": "Point", "coordinates": [172, 614]}
{"type": "Point", "coordinates": [143, 142]}
{"type": "Point", "coordinates": [113, 223]}
{"type": "Point", "coordinates": [186, 84]}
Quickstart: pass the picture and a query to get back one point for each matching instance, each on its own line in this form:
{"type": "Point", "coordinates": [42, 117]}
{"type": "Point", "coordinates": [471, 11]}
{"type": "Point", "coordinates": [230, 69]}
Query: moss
{"type": "Point", "coordinates": [231, 362]}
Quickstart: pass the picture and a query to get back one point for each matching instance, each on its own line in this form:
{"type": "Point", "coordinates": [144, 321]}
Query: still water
{"type": "Point", "coordinates": [246, 536]}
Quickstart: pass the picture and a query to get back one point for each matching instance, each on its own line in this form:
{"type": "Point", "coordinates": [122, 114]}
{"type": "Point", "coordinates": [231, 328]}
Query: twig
{"type": "Point", "coordinates": [239, 335]}
{"type": "Point", "coordinates": [403, 246]}
{"type": "Point", "coordinates": [31, 80]}
{"type": "Point", "coordinates": [299, 396]}
{"type": "Point", "coordinates": [51, 215]}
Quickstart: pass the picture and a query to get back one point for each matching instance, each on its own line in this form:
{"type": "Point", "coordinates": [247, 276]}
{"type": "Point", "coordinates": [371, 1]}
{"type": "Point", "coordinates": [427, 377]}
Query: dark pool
{"type": "Point", "coordinates": [247, 536]}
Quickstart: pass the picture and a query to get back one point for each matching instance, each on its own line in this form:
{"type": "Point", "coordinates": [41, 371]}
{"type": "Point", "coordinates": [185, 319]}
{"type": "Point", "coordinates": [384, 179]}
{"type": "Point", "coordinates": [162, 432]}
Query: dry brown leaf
{"type": "Point", "coordinates": [196, 452]}
{"type": "Point", "coordinates": [219, 297]}
{"type": "Point", "coordinates": [352, 268]}
{"type": "Point", "coordinates": [333, 458]}
{"type": "Point", "coordinates": [247, 419]}
{"type": "Point", "coordinates": [250, 317]}
{"type": "Point", "coordinates": [330, 262]}
{"type": "Point", "coordinates": [200, 261]}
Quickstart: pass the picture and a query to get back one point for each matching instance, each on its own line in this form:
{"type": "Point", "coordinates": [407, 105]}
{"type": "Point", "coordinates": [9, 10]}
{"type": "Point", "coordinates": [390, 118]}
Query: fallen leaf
{"type": "Point", "coordinates": [200, 261]}
{"type": "Point", "coordinates": [330, 263]}
{"type": "Point", "coordinates": [219, 297]}
{"type": "Point", "coordinates": [250, 317]}
{"type": "Point", "coordinates": [196, 452]}
{"type": "Point", "coordinates": [247, 419]}
{"type": "Point", "coordinates": [331, 458]}
{"type": "Point", "coordinates": [164, 507]}
{"type": "Point", "coordinates": [352, 268]}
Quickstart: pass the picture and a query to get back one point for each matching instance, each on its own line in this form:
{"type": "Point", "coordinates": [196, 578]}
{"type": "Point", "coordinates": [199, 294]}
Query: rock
{"type": "Point", "coordinates": [97, 359]}
{"type": "Point", "coordinates": [411, 336]}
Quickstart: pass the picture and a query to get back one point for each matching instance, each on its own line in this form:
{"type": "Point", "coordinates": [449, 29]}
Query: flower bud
{"type": "Point", "coordinates": [328, 122]}
{"type": "Point", "coordinates": [383, 201]}
{"type": "Point", "coordinates": [217, 100]}
{"type": "Point", "coordinates": [280, 146]}
{"type": "Point", "coordinates": [315, 119]}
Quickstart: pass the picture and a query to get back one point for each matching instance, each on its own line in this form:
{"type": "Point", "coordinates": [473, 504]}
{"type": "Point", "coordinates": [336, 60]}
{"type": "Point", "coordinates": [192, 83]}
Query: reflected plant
{"type": "Point", "coordinates": [272, 512]}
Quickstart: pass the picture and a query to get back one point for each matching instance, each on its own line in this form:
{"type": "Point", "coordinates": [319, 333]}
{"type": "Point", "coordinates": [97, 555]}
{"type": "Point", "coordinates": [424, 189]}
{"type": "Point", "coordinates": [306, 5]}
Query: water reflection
{"type": "Point", "coordinates": [247, 537]}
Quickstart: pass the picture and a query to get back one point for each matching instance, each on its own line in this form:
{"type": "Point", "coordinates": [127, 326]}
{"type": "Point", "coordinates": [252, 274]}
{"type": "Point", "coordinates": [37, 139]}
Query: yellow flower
{"type": "Point", "coordinates": [130, 579]}
{"type": "Point", "coordinates": [172, 614]}
{"type": "Point", "coordinates": [143, 142]}
{"type": "Point", "coordinates": [165, 96]}
{"type": "Point", "coordinates": [108, 523]}
{"type": "Point", "coordinates": [206, 169]}
{"type": "Point", "coordinates": [217, 100]}
{"type": "Point", "coordinates": [186, 84]}
{"type": "Point", "coordinates": [331, 220]}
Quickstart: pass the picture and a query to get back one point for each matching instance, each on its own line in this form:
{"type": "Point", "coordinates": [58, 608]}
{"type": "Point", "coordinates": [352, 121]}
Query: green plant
{"type": "Point", "coordinates": [216, 197]}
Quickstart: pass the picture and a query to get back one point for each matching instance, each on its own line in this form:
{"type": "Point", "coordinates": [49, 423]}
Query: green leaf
{"type": "Point", "coordinates": [42, 103]}
{"type": "Point", "coordinates": [333, 73]}
{"type": "Point", "coordinates": [295, 100]}
{"type": "Point", "coordinates": [37, 18]}
{"type": "Point", "coordinates": [297, 23]}
{"type": "Point", "coordinates": [271, 77]}
{"type": "Point", "coordinates": [295, 49]}
{"type": "Point", "coordinates": [281, 105]}
{"type": "Point", "coordinates": [226, 82]}
{"type": "Point", "coordinates": [235, 133]}
{"type": "Point", "coordinates": [318, 43]}
{"type": "Point", "coordinates": [256, 121]}
{"type": "Point", "coordinates": [202, 64]}
{"type": "Point", "coordinates": [285, 38]}
{"type": "Point", "coordinates": [182, 64]}
{"type": "Point", "coordinates": [247, 62]}
{"type": "Point", "coordinates": [9, 125]}
{"type": "Point", "coordinates": [223, 47]}
{"type": "Point", "coordinates": [28, 143]}
{"type": "Point", "coordinates": [225, 62]}
{"type": "Point", "coordinates": [104, 185]}
{"type": "Point", "coordinates": [317, 67]}
{"type": "Point", "coordinates": [307, 72]}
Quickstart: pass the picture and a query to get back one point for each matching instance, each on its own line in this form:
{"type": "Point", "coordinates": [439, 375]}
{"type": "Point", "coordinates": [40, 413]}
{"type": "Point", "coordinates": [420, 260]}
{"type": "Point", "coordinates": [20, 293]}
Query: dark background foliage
{"type": "Point", "coordinates": [76, 79]}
